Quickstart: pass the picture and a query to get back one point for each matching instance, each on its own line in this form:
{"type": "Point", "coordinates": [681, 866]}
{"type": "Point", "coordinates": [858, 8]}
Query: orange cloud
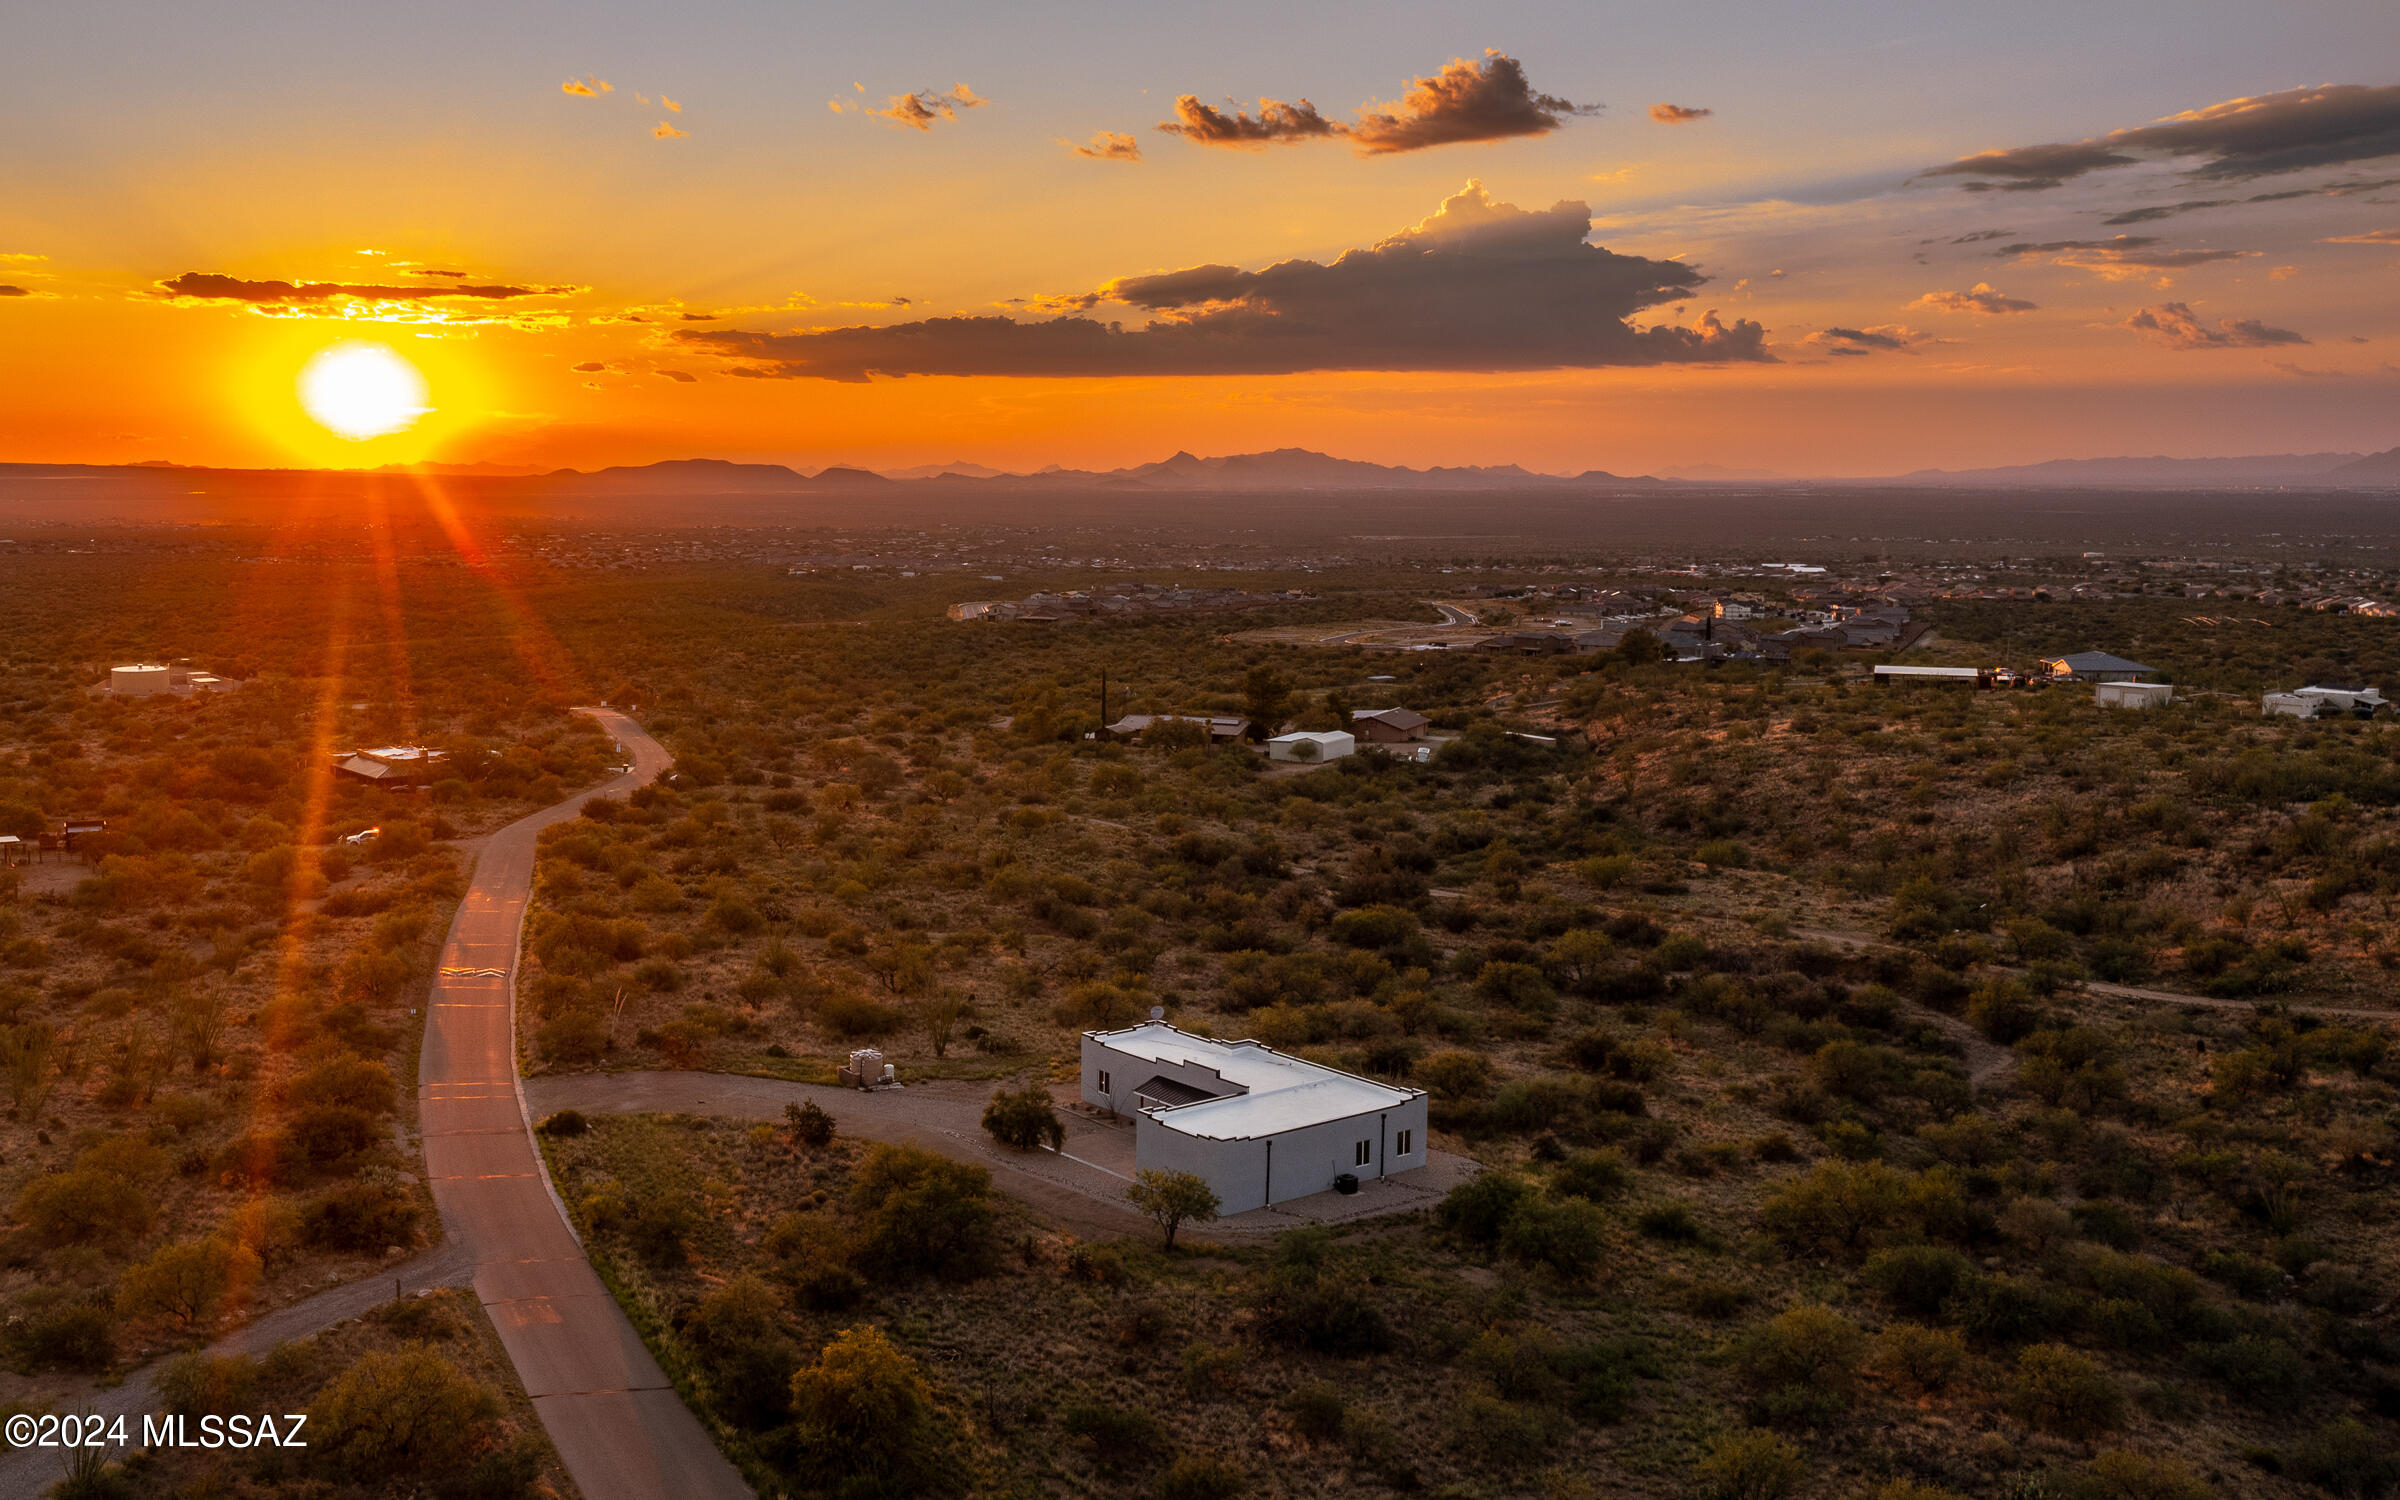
{"type": "Point", "coordinates": [919, 110]}
{"type": "Point", "coordinates": [1466, 101]}
{"type": "Point", "coordinates": [1109, 145]}
{"type": "Point", "coordinates": [666, 132]}
{"type": "Point", "coordinates": [588, 86]}
{"type": "Point", "coordinates": [672, 107]}
{"type": "Point", "coordinates": [2178, 327]}
{"type": "Point", "coordinates": [1982, 301]}
{"type": "Point", "coordinates": [1677, 114]}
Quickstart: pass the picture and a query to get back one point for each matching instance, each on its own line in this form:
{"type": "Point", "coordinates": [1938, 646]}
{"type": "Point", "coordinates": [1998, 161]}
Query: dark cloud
{"type": "Point", "coordinates": [919, 111]}
{"type": "Point", "coordinates": [1980, 300]}
{"type": "Point", "coordinates": [1478, 286]}
{"type": "Point", "coordinates": [459, 274]}
{"type": "Point", "coordinates": [680, 377]}
{"type": "Point", "coordinates": [1677, 114]}
{"type": "Point", "coordinates": [2165, 210]}
{"type": "Point", "coordinates": [692, 317]}
{"type": "Point", "coordinates": [590, 365]}
{"type": "Point", "coordinates": [2121, 258]}
{"type": "Point", "coordinates": [1890, 339]}
{"type": "Point", "coordinates": [209, 286]}
{"type": "Point", "coordinates": [1980, 235]}
{"type": "Point", "coordinates": [2177, 326]}
{"type": "Point", "coordinates": [1109, 145]}
{"type": "Point", "coordinates": [1276, 124]}
{"type": "Point", "coordinates": [14, 291]}
{"type": "Point", "coordinates": [1466, 101]}
{"type": "Point", "coordinates": [2328, 125]}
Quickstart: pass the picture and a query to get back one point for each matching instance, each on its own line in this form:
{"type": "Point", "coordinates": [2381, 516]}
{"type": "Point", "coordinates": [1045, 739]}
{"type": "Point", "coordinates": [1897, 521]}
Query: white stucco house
{"type": "Point", "coordinates": [1260, 1126]}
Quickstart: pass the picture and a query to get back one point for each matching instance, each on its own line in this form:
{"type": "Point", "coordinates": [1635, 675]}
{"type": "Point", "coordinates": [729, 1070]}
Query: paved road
{"type": "Point", "coordinates": [1082, 1187]}
{"type": "Point", "coordinates": [616, 1421]}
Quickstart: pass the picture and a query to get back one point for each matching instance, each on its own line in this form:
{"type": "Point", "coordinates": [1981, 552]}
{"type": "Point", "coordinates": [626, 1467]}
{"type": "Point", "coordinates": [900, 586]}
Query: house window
{"type": "Point", "coordinates": [1104, 1088]}
{"type": "Point", "coordinates": [1400, 1143]}
{"type": "Point", "coordinates": [1364, 1154]}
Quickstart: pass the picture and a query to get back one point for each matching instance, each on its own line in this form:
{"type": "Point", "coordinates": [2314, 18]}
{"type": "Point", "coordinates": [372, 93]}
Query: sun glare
{"type": "Point", "coordinates": [362, 391]}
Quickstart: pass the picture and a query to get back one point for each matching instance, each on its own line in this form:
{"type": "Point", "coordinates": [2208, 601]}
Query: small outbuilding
{"type": "Point", "coordinates": [1259, 1126]}
{"type": "Point", "coordinates": [2133, 694]}
{"type": "Point", "coordinates": [1967, 677]}
{"type": "Point", "coordinates": [2325, 701]}
{"type": "Point", "coordinates": [1387, 726]}
{"type": "Point", "coordinates": [391, 765]}
{"type": "Point", "coordinates": [2096, 666]}
{"type": "Point", "coordinates": [1312, 745]}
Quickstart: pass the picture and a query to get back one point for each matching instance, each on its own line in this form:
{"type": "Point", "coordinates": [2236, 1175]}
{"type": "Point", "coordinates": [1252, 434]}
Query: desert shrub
{"type": "Point", "coordinates": [1118, 1437]}
{"type": "Point", "coordinates": [1312, 1299]}
{"type": "Point", "coordinates": [360, 1217]}
{"type": "Point", "coordinates": [347, 1082]}
{"type": "Point", "coordinates": [921, 1214]}
{"type": "Point", "coordinates": [192, 1384]}
{"type": "Point", "coordinates": [2345, 1457]}
{"type": "Point", "coordinates": [864, 1420]}
{"type": "Point", "coordinates": [1593, 1175]}
{"type": "Point", "coordinates": [2123, 1475]}
{"type": "Point", "coordinates": [1456, 1075]}
{"type": "Point", "coordinates": [1169, 1199]}
{"type": "Point", "coordinates": [1918, 1279]}
{"type": "Point", "coordinates": [1803, 1364]}
{"type": "Point", "coordinates": [567, 1122]}
{"type": "Point", "coordinates": [659, 1228]}
{"type": "Point", "coordinates": [810, 1125]}
{"type": "Point", "coordinates": [2267, 1372]}
{"type": "Point", "coordinates": [737, 1343]}
{"type": "Point", "coordinates": [188, 1282]}
{"type": "Point", "coordinates": [401, 1414]}
{"type": "Point", "coordinates": [1671, 1223]}
{"type": "Point", "coordinates": [1211, 1370]}
{"type": "Point", "coordinates": [1097, 1006]}
{"type": "Point", "coordinates": [330, 1135]}
{"type": "Point", "coordinates": [65, 1333]}
{"type": "Point", "coordinates": [2056, 1390]}
{"type": "Point", "coordinates": [1850, 1207]}
{"type": "Point", "coordinates": [813, 1256]}
{"type": "Point", "coordinates": [1478, 1209]}
{"type": "Point", "coordinates": [1498, 1434]}
{"type": "Point", "coordinates": [1316, 1409]}
{"type": "Point", "coordinates": [1562, 1235]}
{"type": "Point", "coordinates": [574, 1038]}
{"type": "Point", "coordinates": [1750, 1465]}
{"type": "Point", "coordinates": [1196, 1476]}
{"type": "Point", "coordinates": [1024, 1118]}
{"type": "Point", "coordinates": [83, 1206]}
{"type": "Point", "coordinates": [856, 1018]}
{"type": "Point", "coordinates": [1917, 1359]}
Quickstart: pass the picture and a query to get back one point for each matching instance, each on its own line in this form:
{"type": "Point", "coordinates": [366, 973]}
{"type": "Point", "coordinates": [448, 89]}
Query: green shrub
{"type": "Point", "coordinates": [855, 1018]}
{"type": "Point", "coordinates": [1803, 1364]}
{"type": "Point", "coordinates": [1750, 1465]}
{"type": "Point", "coordinates": [1119, 1437]}
{"type": "Point", "coordinates": [1316, 1410]}
{"type": "Point", "coordinates": [1563, 1235]}
{"type": "Point", "coordinates": [399, 1415]}
{"type": "Point", "coordinates": [1478, 1209]}
{"type": "Point", "coordinates": [2058, 1391]}
{"type": "Point", "coordinates": [1196, 1476]}
{"type": "Point", "coordinates": [1918, 1360]}
{"type": "Point", "coordinates": [810, 1125]}
{"type": "Point", "coordinates": [1497, 1434]}
{"type": "Point", "coordinates": [864, 1422]}
{"type": "Point", "coordinates": [921, 1214]}
{"type": "Point", "coordinates": [1024, 1119]}
{"type": "Point", "coordinates": [1918, 1279]}
{"type": "Point", "coordinates": [2345, 1457]}
{"type": "Point", "coordinates": [567, 1122]}
{"type": "Point", "coordinates": [187, 1282]}
{"type": "Point", "coordinates": [2122, 1475]}
{"type": "Point", "coordinates": [1592, 1175]}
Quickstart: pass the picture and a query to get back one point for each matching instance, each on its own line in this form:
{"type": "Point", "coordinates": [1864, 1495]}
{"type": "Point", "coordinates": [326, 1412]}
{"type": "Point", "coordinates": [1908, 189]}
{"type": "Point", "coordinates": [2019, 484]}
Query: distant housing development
{"type": "Point", "coordinates": [149, 679]}
{"type": "Point", "coordinates": [1259, 1126]}
{"type": "Point", "coordinates": [1117, 601]}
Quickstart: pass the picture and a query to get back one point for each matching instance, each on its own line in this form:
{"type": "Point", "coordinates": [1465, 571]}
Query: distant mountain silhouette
{"type": "Point", "coordinates": [2383, 466]}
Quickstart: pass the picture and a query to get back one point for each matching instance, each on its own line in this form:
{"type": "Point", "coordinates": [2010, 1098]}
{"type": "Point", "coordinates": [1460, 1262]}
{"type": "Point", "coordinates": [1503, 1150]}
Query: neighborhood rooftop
{"type": "Point", "coordinates": [1278, 1092]}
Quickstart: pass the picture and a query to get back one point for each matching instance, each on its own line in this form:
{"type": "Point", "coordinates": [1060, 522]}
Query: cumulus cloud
{"type": "Point", "coordinates": [1981, 300]}
{"type": "Point", "coordinates": [2371, 237]}
{"type": "Point", "coordinates": [1480, 285]}
{"type": "Point", "coordinates": [666, 132]}
{"type": "Point", "coordinates": [587, 86]}
{"type": "Point", "coordinates": [1678, 114]}
{"type": "Point", "coordinates": [1466, 101]}
{"type": "Point", "coordinates": [1109, 145]}
{"type": "Point", "coordinates": [210, 286]}
{"type": "Point", "coordinates": [2178, 327]}
{"type": "Point", "coordinates": [2327, 125]}
{"type": "Point", "coordinates": [919, 111]}
{"type": "Point", "coordinates": [1890, 338]}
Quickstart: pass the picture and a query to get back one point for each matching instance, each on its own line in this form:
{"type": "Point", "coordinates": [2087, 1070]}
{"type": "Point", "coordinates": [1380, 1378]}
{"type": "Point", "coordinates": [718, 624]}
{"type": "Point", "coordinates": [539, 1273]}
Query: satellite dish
{"type": "Point", "coordinates": [1158, 1012]}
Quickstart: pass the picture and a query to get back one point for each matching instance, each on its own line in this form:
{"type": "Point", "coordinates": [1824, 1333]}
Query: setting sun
{"type": "Point", "coordinates": [362, 391]}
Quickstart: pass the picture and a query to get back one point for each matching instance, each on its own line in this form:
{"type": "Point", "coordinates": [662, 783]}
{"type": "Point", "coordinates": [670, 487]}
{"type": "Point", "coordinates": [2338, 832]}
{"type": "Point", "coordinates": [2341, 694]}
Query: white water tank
{"type": "Point", "coordinates": [137, 681]}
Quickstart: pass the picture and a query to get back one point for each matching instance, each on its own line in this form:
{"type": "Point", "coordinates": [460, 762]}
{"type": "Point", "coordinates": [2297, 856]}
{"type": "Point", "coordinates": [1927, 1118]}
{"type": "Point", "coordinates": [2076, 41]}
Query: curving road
{"type": "Point", "coordinates": [618, 1425]}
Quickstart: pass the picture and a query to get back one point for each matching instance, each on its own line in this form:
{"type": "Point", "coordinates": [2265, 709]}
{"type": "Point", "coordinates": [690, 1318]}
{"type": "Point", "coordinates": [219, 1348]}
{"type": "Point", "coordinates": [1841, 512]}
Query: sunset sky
{"type": "Point", "coordinates": [1813, 239]}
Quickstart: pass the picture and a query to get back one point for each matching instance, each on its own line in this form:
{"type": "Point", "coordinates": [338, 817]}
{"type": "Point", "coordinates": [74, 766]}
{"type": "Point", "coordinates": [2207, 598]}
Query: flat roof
{"type": "Point", "coordinates": [1959, 672]}
{"type": "Point", "coordinates": [1279, 1092]}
